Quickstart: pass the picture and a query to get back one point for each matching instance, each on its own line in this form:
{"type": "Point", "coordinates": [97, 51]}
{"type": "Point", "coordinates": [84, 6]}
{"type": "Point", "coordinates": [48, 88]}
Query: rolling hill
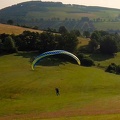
{"type": "Point", "coordinates": [85, 92]}
{"type": "Point", "coordinates": [55, 14]}
{"type": "Point", "coordinates": [10, 29]}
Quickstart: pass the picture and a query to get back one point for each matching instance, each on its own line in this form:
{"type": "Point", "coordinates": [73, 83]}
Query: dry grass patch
{"type": "Point", "coordinates": [82, 41]}
{"type": "Point", "coordinates": [10, 29]}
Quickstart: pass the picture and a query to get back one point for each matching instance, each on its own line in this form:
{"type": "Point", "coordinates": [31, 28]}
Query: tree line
{"type": "Point", "coordinates": [100, 41]}
{"type": "Point", "coordinates": [34, 41]}
{"type": "Point", "coordinates": [104, 42]}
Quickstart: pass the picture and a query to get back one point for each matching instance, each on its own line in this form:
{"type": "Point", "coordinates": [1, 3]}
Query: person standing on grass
{"type": "Point", "coordinates": [57, 91]}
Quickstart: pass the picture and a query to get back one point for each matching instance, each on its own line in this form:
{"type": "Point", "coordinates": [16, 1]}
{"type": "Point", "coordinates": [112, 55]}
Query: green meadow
{"type": "Point", "coordinates": [107, 25]}
{"type": "Point", "coordinates": [86, 93]}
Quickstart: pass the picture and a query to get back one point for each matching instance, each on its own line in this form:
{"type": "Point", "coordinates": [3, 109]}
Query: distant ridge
{"type": "Point", "coordinates": [55, 14]}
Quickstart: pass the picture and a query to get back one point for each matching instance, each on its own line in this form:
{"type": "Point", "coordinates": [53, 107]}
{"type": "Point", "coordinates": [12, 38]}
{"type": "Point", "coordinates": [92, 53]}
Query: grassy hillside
{"type": "Point", "coordinates": [10, 29]}
{"type": "Point", "coordinates": [105, 60]}
{"type": "Point", "coordinates": [107, 25]}
{"type": "Point", "coordinates": [82, 41]}
{"type": "Point", "coordinates": [55, 14]}
{"type": "Point", "coordinates": [48, 10]}
{"type": "Point", "coordinates": [85, 93]}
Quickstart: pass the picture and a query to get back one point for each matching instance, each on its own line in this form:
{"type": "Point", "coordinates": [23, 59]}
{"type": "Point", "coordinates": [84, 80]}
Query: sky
{"type": "Point", "coordinates": [103, 3]}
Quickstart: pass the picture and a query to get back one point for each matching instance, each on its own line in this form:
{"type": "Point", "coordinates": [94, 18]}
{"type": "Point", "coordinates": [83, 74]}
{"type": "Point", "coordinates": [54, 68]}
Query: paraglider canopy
{"type": "Point", "coordinates": [54, 52]}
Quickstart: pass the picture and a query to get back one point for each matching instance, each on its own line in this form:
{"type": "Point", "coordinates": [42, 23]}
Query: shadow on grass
{"type": "Point", "coordinates": [2, 54]}
{"type": "Point", "coordinates": [101, 57]}
{"type": "Point", "coordinates": [54, 60]}
{"type": "Point", "coordinates": [51, 61]}
{"type": "Point", "coordinates": [27, 54]}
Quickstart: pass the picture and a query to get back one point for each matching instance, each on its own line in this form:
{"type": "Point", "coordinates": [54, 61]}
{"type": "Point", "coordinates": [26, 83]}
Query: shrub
{"type": "Point", "coordinates": [112, 68]}
{"type": "Point", "coordinates": [87, 62]}
{"type": "Point", "coordinates": [118, 69]}
{"type": "Point", "coordinates": [80, 55]}
{"type": "Point", "coordinates": [9, 45]}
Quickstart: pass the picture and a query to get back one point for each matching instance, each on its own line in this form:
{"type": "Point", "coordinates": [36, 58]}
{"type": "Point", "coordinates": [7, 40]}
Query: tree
{"type": "Point", "coordinates": [103, 33]}
{"type": "Point", "coordinates": [108, 45]}
{"type": "Point", "coordinates": [47, 42]}
{"type": "Point", "coordinates": [112, 68]}
{"type": "Point", "coordinates": [86, 34]}
{"type": "Point", "coordinates": [118, 69]}
{"type": "Point", "coordinates": [62, 30]}
{"type": "Point", "coordinates": [96, 36]}
{"type": "Point", "coordinates": [68, 42]}
{"type": "Point", "coordinates": [76, 32]}
{"type": "Point", "coordinates": [84, 19]}
{"type": "Point", "coordinates": [10, 22]}
{"type": "Point", "coordinates": [1, 46]}
{"type": "Point", "coordinates": [27, 40]}
{"type": "Point", "coordinates": [93, 45]}
{"type": "Point", "coordinates": [9, 45]}
{"type": "Point", "coordinates": [86, 61]}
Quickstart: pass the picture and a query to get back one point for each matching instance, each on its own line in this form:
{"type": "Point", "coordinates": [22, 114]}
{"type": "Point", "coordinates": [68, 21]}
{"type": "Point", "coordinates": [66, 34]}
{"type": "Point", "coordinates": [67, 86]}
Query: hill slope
{"type": "Point", "coordinates": [56, 14]}
{"type": "Point", "coordinates": [10, 29]}
{"type": "Point", "coordinates": [31, 94]}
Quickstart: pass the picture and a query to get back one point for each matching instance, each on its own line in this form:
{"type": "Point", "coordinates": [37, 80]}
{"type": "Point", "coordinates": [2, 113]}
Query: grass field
{"type": "Point", "coordinates": [82, 42]}
{"type": "Point", "coordinates": [86, 93]}
{"type": "Point", "coordinates": [10, 29]}
{"type": "Point", "coordinates": [105, 60]}
{"type": "Point", "coordinates": [107, 25]}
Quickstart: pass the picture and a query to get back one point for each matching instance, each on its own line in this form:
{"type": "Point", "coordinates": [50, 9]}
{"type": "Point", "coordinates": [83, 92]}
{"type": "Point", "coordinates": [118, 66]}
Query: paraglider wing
{"type": "Point", "coordinates": [54, 52]}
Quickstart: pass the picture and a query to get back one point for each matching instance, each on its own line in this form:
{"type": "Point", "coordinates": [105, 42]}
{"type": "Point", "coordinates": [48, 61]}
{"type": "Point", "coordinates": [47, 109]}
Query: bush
{"type": "Point", "coordinates": [87, 62]}
{"type": "Point", "coordinates": [9, 45]}
{"type": "Point", "coordinates": [80, 55]}
{"type": "Point", "coordinates": [118, 69]}
{"type": "Point", "coordinates": [112, 68]}
{"type": "Point", "coordinates": [109, 45]}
